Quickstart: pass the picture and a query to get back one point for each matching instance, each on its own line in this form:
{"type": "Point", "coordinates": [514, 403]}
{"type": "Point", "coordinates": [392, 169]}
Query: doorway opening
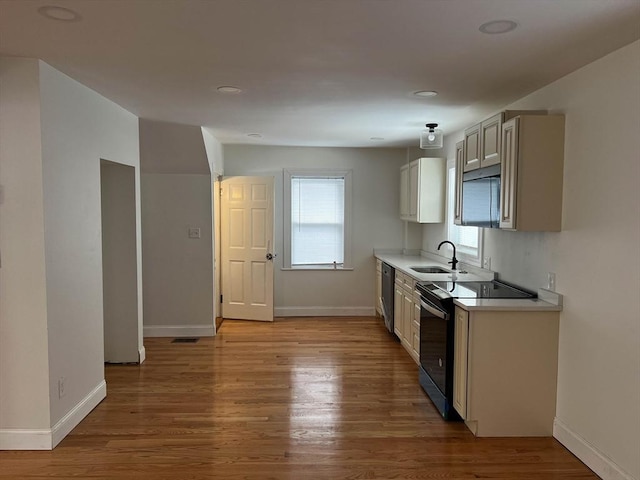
{"type": "Point", "coordinates": [119, 263]}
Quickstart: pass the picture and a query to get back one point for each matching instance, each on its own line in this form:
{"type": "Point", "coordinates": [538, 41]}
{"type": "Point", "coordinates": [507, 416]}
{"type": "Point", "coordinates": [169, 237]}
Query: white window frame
{"type": "Point", "coordinates": [348, 189]}
{"type": "Point", "coordinates": [461, 254]}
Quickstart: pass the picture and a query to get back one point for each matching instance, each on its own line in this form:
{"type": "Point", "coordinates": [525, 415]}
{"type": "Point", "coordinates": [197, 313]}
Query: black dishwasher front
{"type": "Point", "coordinates": [388, 280]}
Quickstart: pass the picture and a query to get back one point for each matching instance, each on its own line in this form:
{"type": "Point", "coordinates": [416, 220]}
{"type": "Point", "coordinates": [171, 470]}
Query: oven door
{"type": "Point", "coordinates": [434, 342]}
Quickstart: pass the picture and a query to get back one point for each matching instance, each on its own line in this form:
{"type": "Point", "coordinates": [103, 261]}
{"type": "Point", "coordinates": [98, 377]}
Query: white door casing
{"type": "Point", "coordinates": [247, 240]}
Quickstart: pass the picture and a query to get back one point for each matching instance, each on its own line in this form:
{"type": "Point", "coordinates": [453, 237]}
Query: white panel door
{"type": "Point", "coordinates": [247, 240]}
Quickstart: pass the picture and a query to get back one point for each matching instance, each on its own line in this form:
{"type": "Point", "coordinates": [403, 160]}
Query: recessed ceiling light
{"type": "Point", "coordinates": [254, 135]}
{"type": "Point", "coordinates": [376, 138]}
{"type": "Point", "coordinates": [498, 26]}
{"type": "Point", "coordinates": [425, 93]}
{"type": "Point", "coordinates": [59, 13]}
{"type": "Point", "coordinates": [229, 89]}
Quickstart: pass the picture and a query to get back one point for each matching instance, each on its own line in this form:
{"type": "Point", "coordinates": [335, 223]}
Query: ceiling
{"type": "Point", "coordinates": [317, 72]}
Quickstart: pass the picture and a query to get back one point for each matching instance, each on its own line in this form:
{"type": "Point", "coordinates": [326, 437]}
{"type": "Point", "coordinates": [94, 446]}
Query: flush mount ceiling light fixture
{"type": "Point", "coordinates": [496, 27]}
{"type": "Point", "coordinates": [229, 89]}
{"type": "Point", "coordinates": [61, 14]}
{"type": "Point", "coordinates": [425, 93]}
{"type": "Point", "coordinates": [431, 137]}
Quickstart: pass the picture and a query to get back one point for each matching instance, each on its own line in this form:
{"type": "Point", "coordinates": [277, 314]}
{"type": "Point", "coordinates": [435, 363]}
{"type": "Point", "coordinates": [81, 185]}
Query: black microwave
{"type": "Point", "coordinates": [481, 197]}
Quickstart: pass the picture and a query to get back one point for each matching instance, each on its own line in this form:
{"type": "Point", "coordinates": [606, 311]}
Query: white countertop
{"type": "Point", "coordinates": [507, 304]}
{"type": "Point", "coordinates": [404, 262]}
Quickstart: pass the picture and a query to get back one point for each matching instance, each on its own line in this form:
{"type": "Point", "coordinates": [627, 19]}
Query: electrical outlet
{"type": "Point", "coordinates": [551, 281]}
{"type": "Point", "coordinates": [194, 232]}
{"type": "Point", "coordinates": [61, 387]}
{"type": "Point", "coordinates": [486, 263]}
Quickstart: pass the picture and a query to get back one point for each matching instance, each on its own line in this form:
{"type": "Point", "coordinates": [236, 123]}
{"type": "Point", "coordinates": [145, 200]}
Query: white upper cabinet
{"type": "Point", "coordinates": [422, 190]}
{"type": "Point", "coordinates": [457, 209]}
{"type": "Point", "coordinates": [532, 154]}
{"type": "Point", "coordinates": [482, 143]}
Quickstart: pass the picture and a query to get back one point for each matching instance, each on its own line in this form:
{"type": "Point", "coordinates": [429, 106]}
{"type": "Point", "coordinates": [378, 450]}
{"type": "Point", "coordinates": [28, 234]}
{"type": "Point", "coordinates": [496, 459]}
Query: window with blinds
{"type": "Point", "coordinates": [317, 219]}
{"type": "Point", "coordinates": [467, 239]}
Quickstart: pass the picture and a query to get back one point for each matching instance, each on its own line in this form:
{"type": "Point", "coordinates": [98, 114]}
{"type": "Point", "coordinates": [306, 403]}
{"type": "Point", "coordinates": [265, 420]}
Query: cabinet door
{"type": "Point", "coordinates": [404, 192]}
{"type": "Point", "coordinates": [407, 315]}
{"type": "Point", "coordinates": [472, 148]}
{"type": "Point", "coordinates": [509, 174]}
{"type": "Point", "coordinates": [461, 339]}
{"type": "Point", "coordinates": [415, 332]}
{"type": "Point", "coordinates": [414, 175]}
{"type": "Point", "coordinates": [490, 132]}
{"type": "Point", "coordinates": [378, 299]}
{"type": "Point", "coordinates": [457, 209]}
{"type": "Point", "coordinates": [397, 311]}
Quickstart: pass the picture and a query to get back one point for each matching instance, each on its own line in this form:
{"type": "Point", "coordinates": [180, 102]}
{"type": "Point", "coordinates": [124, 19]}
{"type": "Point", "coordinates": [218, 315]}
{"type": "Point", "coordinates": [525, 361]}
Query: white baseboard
{"type": "Point", "coordinates": [597, 461]}
{"type": "Point", "coordinates": [142, 355]}
{"type": "Point", "coordinates": [25, 439]}
{"type": "Point", "coordinates": [31, 439]}
{"type": "Point", "coordinates": [324, 311]}
{"type": "Point", "coordinates": [77, 413]}
{"type": "Point", "coordinates": [179, 330]}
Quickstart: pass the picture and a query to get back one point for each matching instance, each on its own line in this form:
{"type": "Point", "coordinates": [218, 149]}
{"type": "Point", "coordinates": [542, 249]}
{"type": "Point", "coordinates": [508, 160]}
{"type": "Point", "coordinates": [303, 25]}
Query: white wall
{"type": "Point", "coordinates": [596, 258]}
{"type": "Point", "coordinates": [23, 309]}
{"type": "Point", "coordinates": [77, 129]}
{"type": "Point", "coordinates": [178, 270]}
{"type": "Point", "coordinates": [376, 179]}
{"type": "Point", "coordinates": [215, 155]}
{"type": "Point", "coordinates": [177, 161]}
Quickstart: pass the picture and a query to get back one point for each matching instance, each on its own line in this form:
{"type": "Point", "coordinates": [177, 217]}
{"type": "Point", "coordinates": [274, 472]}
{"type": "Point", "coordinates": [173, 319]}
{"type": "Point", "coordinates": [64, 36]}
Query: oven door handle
{"type": "Point", "coordinates": [433, 310]}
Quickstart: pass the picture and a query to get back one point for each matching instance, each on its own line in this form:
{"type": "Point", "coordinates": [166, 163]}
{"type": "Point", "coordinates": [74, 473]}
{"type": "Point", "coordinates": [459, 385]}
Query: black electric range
{"type": "Point", "coordinates": [444, 291]}
{"type": "Point", "coordinates": [437, 333]}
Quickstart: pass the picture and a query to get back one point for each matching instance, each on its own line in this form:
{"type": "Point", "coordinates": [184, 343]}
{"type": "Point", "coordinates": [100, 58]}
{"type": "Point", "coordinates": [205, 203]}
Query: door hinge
{"type": "Point", "coordinates": [220, 298]}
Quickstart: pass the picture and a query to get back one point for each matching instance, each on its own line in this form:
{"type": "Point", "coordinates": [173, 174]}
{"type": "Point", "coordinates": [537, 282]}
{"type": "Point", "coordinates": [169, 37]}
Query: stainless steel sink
{"type": "Point", "coordinates": [429, 270]}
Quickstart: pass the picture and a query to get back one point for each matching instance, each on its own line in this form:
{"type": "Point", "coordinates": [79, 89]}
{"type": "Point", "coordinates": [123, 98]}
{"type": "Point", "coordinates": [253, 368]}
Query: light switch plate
{"type": "Point", "coordinates": [551, 281]}
{"type": "Point", "coordinates": [486, 263]}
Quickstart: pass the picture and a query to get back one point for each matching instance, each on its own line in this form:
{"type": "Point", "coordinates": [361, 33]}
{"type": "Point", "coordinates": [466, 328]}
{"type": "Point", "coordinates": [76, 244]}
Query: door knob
{"type": "Point", "coordinates": [270, 256]}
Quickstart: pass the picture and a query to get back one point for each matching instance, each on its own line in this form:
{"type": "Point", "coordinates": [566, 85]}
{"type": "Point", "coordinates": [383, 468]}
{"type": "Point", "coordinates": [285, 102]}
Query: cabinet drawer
{"type": "Point", "coordinates": [409, 283]}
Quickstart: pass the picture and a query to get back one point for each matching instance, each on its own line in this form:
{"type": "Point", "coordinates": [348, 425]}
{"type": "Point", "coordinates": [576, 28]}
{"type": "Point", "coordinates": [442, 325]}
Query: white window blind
{"type": "Point", "coordinates": [317, 220]}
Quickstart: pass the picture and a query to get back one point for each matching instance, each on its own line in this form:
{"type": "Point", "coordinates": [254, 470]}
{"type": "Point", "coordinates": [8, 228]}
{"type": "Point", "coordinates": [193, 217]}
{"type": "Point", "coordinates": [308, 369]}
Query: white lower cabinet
{"type": "Point", "coordinates": [505, 371]}
{"type": "Point", "coordinates": [404, 317]}
{"type": "Point", "coordinates": [460, 344]}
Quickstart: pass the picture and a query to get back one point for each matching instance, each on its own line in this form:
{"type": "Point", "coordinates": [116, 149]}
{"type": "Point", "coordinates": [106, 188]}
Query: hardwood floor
{"type": "Point", "coordinates": [326, 398]}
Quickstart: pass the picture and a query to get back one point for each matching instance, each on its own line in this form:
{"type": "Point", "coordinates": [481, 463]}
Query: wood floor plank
{"type": "Point", "coordinates": [299, 398]}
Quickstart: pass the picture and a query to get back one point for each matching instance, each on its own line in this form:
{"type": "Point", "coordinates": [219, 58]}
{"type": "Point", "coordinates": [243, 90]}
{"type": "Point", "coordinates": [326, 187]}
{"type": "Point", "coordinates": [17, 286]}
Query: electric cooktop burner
{"type": "Point", "coordinates": [486, 289]}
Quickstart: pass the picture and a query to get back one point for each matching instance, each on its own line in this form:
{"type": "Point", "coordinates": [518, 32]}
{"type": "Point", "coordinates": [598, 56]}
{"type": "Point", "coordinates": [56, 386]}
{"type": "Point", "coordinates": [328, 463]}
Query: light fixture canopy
{"type": "Point", "coordinates": [431, 137]}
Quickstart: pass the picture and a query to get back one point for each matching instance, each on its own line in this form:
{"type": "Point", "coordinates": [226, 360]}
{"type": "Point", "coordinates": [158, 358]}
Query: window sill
{"type": "Point", "coordinates": [317, 268]}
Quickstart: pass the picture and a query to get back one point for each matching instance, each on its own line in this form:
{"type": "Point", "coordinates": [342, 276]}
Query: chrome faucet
{"type": "Point", "coordinates": [453, 261]}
